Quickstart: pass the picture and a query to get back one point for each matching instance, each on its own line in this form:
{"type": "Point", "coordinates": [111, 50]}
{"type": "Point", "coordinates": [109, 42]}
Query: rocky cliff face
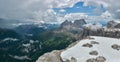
{"type": "Point", "coordinates": [76, 25]}
{"type": "Point", "coordinates": [98, 30]}
{"type": "Point", "coordinates": [53, 56]}
{"type": "Point", "coordinates": [79, 23]}
{"type": "Point", "coordinates": [113, 24]}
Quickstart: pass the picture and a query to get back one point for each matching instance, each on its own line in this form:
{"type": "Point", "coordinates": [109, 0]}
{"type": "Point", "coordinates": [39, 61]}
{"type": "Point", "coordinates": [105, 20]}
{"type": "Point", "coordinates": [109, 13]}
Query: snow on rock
{"type": "Point", "coordinates": [93, 27]}
{"type": "Point", "coordinates": [113, 24]}
{"type": "Point", "coordinates": [11, 39]}
{"type": "Point", "coordinates": [105, 52]}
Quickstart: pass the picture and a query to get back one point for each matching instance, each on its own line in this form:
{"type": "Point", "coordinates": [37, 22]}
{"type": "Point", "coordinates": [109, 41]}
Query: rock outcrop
{"type": "Point", "coordinates": [113, 24]}
{"type": "Point", "coordinates": [97, 59]}
{"type": "Point", "coordinates": [98, 30]}
{"type": "Point", "coordinates": [93, 53]}
{"type": "Point", "coordinates": [53, 56]}
{"type": "Point", "coordinates": [79, 23]}
{"type": "Point", "coordinates": [116, 47]}
{"type": "Point", "coordinates": [76, 25]}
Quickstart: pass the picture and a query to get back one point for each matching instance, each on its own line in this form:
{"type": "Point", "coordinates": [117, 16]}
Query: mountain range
{"type": "Point", "coordinates": [25, 43]}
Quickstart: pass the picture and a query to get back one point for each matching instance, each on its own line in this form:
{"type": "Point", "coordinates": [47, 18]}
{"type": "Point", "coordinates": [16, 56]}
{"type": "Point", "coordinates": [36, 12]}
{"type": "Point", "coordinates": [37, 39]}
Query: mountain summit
{"type": "Point", "coordinates": [75, 25]}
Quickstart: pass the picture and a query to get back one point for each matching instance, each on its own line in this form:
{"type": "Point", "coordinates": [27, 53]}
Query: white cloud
{"type": "Point", "coordinates": [32, 9]}
{"type": "Point", "coordinates": [62, 10]}
{"type": "Point", "coordinates": [41, 10]}
{"type": "Point", "coordinates": [112, 6]}
{"type": "Point", "coordinates": [104, 17]}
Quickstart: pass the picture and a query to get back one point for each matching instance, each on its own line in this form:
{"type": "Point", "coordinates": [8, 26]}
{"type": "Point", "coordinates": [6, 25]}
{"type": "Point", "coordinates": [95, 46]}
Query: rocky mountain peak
{"type": "Point", "coordinates": [75, 24]}
{"type": "Point", "coordinates": [66, 23]}
{"type": "Point", "coordinates": [113, 24]}
{"type": "Point", "coordinates": [79, 23]}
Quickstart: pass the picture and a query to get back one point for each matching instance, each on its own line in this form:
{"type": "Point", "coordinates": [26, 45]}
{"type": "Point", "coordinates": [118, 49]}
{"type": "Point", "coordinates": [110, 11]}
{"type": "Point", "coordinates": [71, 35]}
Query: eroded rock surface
{"type": "Point", "coordinates": [116, 47]}
{"type": "Point", "coordinates": [97, 59]}
{"type": "Point", "coordinates": [53, 56]}
{"type": "Point", "coordinates": [94, 42]}
{"type": "Point", "coordinates": [93, 53]}
{"type": "Point", "coordinates": [87, 45]}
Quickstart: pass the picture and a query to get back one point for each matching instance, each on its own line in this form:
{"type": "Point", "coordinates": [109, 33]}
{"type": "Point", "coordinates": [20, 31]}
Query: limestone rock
{"type": "Point", "coordinates": [87, 45]}
{"type": "Point", "coordinates": [93, 53]}
{"type": "Point", "coordinates": [97, 59]}
{"type": "Point", "coordinates": [94, 42]}
{"type": "Point", "coordinates": [116, 47]}
{"type": "Point", "coordinates": [53, 56]}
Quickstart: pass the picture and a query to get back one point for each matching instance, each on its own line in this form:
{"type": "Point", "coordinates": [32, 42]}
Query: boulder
{"type": "Point", "coordinates": [113, 24]}
{"type": "Point", "coordinates": [101, 59]}
{"type": "Point", "coordinates": [87, 45]}
{"type": "Point", "coordinates": [94, 42]}
{"type": "Point", "coordinates": [53, 56]}
{"type": "Point", "coordinates": [116, 47]}
{"type": "Point", "coordinates": [93, 53]}
{"type": "Point", "coordinates": [91, 60]}
{"type": "Point", "coordinates": [97, 59]}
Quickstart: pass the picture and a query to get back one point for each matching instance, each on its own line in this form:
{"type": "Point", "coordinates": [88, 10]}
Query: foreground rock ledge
{"type": "Point", "coordinates": [53, 56]}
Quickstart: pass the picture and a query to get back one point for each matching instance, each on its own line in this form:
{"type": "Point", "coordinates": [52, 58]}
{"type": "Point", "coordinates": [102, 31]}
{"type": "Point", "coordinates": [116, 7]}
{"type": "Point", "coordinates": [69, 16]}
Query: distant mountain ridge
{"type": "Point", "coordinates": [73, 25]}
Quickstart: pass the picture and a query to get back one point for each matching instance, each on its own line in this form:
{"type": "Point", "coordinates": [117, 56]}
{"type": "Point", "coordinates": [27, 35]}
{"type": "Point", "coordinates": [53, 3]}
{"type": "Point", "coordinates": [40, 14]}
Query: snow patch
{"type": "Point", "coordinates": [93, 27]}
{"type": "Point", "coordinates": [103, 48]}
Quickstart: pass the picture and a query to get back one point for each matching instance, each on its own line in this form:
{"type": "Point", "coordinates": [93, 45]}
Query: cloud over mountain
{"type": "Point", "coordinates": [42, 10]}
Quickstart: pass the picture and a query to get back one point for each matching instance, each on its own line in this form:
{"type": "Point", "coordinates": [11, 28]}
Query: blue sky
{"type": "Point", "coordinates": [79, 8]}
{"type": "Point", "coordinates": [48, 11]}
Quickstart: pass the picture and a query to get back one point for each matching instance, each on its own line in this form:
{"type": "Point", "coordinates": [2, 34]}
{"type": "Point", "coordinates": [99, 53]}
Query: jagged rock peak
{"type": "Point", "coordinates": [76, 23]}
{"type": "Point", "coordinates": [79, 23]}
{"type": "Point", "coordinates": [66, 22]}
{"type": "Point", "coordinates": [113, 24]}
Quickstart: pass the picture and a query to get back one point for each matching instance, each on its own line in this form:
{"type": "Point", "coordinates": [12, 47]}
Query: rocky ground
{"type": "Point", "coordinates": [92, 49]}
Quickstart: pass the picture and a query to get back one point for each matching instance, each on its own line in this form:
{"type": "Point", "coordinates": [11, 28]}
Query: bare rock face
{"type": "Point", "coordinates": [79, 23]}
{"type": "Point", "coordinates": [91, 60]}
{"type": "Point", "coordinates": [72, 60]}
{"type": "Point", "coordinates": [66, 25]}
{"type": "Point", "coordinates": [93, 53]}
{"type": "Point", "coordinates": [116, 47]}
{"type": "Point", "coordinates": [87, 45]}
{"type": "Point", "coordinates": [67, 60]}
{"type": "Point", "coordinates": [53, 56]}
{"type": "Point", "coordinates": [94, 42]}
{"type": "Point", "coordinates": [97, 59]}
{"type": "Point", "coordinates": [113, 24]}
{"type": "Point", "coordinates": [76, 25]}
{"type": "Point", "coordinates": [101, 59]}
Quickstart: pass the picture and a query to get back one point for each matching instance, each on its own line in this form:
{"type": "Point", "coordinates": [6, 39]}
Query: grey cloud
{"type": "Point", "coordinates": [30, 11]}
{"type": "Point", "coordinates": [41, 10]}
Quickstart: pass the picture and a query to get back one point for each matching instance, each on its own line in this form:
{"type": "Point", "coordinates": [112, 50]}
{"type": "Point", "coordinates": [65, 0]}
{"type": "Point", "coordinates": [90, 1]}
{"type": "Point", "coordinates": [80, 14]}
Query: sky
{"type": "Point", "coordinates": [17, 12]}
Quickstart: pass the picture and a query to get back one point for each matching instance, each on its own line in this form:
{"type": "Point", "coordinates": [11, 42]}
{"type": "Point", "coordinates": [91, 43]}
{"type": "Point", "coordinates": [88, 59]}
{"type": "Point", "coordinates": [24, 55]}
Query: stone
{"type": "Point", "coordinates": [101, 59]}
{"type": "Point", "coordinates": [97, 59]}
{"type": "Point", "coordinates": [53, 56]}
{"type": "Point", "coordinates": [116, 47]}
{"type": "Point", "coordinates": [94, 42]}
{"type": "Point", "coordinates": [91, 60]}
{"type": "Point", "coordinates": [73, 59]}
{"type": "Point", "coordinates": [87, 45]}
{"type": "Point", "coordinates": [93, 53]}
